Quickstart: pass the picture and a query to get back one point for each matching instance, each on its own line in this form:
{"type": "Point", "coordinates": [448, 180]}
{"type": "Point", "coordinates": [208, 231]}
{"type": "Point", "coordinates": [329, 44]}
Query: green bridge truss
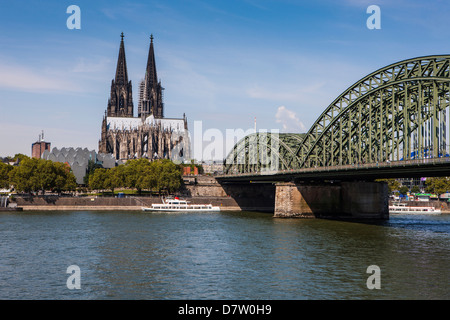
{"type": "Point", "coordinates": [396, 113]}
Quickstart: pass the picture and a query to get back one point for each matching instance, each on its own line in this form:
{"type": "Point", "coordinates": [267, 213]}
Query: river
{"type": "Point", "coordinates": [228, 255]}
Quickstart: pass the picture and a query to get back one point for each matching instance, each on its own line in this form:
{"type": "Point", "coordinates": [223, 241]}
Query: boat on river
{"type": "Point", "coordinates": [177, 205]}
{"type": "Point", "coordinates": [402, 208]}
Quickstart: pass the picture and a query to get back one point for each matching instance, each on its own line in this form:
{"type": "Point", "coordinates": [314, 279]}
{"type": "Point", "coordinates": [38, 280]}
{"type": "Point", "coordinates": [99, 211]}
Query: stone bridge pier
{"type": "Point", "coordinates": [354, 200]}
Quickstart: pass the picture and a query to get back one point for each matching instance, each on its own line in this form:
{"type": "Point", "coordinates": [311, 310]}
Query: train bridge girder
{"type": "Point", "coordinates": [396, 113]}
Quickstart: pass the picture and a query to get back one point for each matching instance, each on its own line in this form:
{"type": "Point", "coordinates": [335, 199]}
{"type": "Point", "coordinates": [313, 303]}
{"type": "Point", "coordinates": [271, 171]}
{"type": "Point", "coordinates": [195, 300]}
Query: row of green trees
{"type": "Point", "coordinates": [436, 185]}
{"type": "Point", "coordinates": [139, 174]}
{"type": "Point", "coordinates": [39, 175]}
{"type": "Point", "coordinates": [34, 175]}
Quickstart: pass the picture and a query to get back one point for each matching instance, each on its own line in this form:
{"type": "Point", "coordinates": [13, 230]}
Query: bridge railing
{"type": "Point", "coordinates": [399, 163]}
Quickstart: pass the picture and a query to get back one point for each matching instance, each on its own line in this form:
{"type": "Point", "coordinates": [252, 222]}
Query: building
{"type": "Point", "coordinates": [149, 135]}
{"type": "Point", "coordinates": [78, 160]}
{"type": "Point", "coordinates": [39, 147]}
{"type": "Point", "coordinates": [189, 170]}
{"type": "Point", "coordinates": [212, 167]}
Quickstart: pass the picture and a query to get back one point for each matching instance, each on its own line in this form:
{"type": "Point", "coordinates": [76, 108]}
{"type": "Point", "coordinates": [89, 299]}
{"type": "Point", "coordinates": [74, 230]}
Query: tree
{"type": "Point", "coordinates": [111, 179]}
{"type": "Point", "coordinates": [5, 169]}
{"type": "Point", "coordinates": [65, 179]}
{"type": "Point", "coordinates": [92, 166]}
{"type": "Point", "coordinates": [19, 157]}
{"type": "Point", "coordinates": [139, 174]}
{"type": "Point", "coordinates": [149, 179]}
{"type": "Point", "coordinates": [142, 174]}
{"type": "Point", "coordinates": [115, 178]}
{"type": "Point", "coordinates": [23, 177]}
{"type": "Point", "coordinates": [97, 179]}
{"type": "Point", "coordinates": [169, 175]}
{"type": "Point", "coordinates": [32, 175]}
{"type": "Point", "coordinates": [45, 175]}
{"type": "Point", "coordinates": [403, 190]}
{"type": "Point", "coordinates": [415, 189]}
{"type": "Point", "coordinates": [393, 184]}
{"type": "Point", "coordinates": [438, 185]}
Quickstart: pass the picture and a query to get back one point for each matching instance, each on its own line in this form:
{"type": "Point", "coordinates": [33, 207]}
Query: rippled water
{"type": "Point", "coordinates": [240, 255]}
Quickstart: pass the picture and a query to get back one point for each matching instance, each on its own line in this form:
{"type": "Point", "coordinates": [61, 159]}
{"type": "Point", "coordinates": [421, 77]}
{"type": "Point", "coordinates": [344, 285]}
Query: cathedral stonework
{"type": "Point", "coordinates": [149, 135]}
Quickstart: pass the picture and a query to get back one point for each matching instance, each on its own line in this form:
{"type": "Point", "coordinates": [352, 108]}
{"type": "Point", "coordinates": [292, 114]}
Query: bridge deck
{"type": "Point", "coordinates": [383, 170]}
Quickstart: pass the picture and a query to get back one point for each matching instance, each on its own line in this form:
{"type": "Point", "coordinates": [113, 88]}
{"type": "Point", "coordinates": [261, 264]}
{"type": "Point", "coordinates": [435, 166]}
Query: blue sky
{"type": "Point", "coordinates": [221, 62]}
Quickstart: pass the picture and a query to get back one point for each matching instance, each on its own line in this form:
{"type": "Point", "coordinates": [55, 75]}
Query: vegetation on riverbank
{"type": "Point", "coordinates": [32, 175]}
{"type": "Point", "coordinates": [35, 175]}
{"type": "Point", "coordinates": [437, 185]}
{"type": "Point", "coordinates": [140, 174]}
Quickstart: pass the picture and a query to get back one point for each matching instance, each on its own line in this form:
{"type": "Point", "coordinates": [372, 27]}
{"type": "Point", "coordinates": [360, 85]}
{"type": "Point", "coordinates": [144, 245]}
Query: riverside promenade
{"type": "Point", "coordinates": [132, 203]}
{"type": "Point", "coordinates": [196, 190]}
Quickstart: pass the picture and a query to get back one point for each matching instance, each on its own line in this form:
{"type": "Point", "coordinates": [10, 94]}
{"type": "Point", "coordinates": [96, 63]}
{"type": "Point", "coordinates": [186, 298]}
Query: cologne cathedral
{"type": "Point", "coordinates": [149, 135]}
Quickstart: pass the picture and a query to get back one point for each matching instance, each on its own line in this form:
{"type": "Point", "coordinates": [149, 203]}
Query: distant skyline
{"type": "Point", "coordinates": [221, 62]}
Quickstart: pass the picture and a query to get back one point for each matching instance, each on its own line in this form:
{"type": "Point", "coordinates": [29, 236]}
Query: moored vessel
{"type": "Point", "coordinates": [177, 205]}
{"type": "Point", "coordinates": [401, 208]}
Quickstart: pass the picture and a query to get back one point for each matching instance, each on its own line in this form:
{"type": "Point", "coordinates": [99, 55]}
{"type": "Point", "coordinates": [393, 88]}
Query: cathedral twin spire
{"type": "Point", "coordinates": [120, 103]}
{"type": "Point", "coordinates": [123, 135]}
{"type": "Point", "coordinates": [121, 70]}
{"type": "Point", "coordinates": [151, 78]}
{"type": "Point", "coordinates": [150, 100]}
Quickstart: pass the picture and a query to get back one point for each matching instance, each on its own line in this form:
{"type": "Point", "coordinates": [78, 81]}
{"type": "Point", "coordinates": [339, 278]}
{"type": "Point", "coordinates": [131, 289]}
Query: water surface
{"type": "Point", "coordinates": [228, 255]}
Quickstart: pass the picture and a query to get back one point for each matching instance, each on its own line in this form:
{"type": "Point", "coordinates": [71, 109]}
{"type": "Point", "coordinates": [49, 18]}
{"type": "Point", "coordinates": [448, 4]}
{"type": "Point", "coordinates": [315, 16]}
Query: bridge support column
{"type": "Point", "coordinates": [356, 200]}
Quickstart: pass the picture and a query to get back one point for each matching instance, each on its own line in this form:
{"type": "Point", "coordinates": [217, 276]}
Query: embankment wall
{"type": "Point", "coordinates": [202, 190]}
{"type": "Point", "coordinates": [109, 203]}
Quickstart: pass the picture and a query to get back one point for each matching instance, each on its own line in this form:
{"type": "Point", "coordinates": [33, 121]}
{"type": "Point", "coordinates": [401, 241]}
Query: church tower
{"type": "Point", "coordinates": [151, 98]}
{"type": "Point", "coordinates": [120, 103]}
{"type": "Point", "coordinates": [149, 135]}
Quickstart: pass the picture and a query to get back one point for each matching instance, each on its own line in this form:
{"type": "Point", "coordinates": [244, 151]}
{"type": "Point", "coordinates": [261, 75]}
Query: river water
{"type": "Point", "coordinates": [227, 255]}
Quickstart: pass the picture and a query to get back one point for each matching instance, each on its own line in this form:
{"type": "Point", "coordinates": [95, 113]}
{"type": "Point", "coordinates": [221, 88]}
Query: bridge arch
{"type": "Point", "coordinates": [264, 151]}
{"type": "Point", "coordinates": [396, 113]}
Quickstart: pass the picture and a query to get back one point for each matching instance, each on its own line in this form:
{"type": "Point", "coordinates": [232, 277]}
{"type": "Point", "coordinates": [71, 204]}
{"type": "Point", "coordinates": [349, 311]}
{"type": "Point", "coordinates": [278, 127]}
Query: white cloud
{"type": "Point", "coordinates": [26, 79]}
{"type": "Point", "coordinates": [289, 120]}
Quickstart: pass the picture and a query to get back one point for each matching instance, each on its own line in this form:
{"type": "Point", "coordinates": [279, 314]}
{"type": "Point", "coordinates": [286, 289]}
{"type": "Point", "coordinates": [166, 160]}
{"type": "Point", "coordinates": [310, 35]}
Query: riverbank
{"type": "Point", "coordinates": [100, 208]}
{"type": "Point", "coordinates": [135, 203]}
{"type": "Point", "coordinates": [8, 209]}
{"type": "Point", "coordinates": [131, 203]}
{"type": "Point", "coordinates": [196, 190]}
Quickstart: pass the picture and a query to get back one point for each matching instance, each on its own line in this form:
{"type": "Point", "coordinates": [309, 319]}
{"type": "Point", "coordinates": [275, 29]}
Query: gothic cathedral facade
{"type": "Point", "coordinates": [149, 135]}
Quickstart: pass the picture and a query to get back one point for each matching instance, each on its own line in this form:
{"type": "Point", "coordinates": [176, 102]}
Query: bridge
{"type": "Point", "coordinates": [390, 124]}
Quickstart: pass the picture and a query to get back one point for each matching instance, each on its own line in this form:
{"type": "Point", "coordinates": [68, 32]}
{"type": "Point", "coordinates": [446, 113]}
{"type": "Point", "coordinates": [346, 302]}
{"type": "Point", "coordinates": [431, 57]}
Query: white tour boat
{"type": "Point", "coordinates": [402, 208]}
{"type": "Point", "coordinates": [177, 205]}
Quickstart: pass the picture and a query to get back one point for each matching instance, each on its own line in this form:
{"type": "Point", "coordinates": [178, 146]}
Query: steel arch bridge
{"type": "Point", "coordinates": [396, 113]}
